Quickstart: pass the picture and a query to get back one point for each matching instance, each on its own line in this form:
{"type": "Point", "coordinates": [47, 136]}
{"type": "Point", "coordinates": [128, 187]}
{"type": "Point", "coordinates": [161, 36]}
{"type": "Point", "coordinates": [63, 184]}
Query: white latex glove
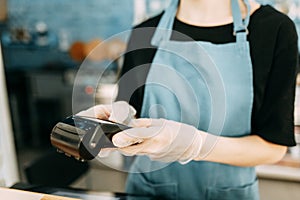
{"type": "Point", "coordinates": [120, 112]}
{"type": "Point", "coordinates": [161, 140]}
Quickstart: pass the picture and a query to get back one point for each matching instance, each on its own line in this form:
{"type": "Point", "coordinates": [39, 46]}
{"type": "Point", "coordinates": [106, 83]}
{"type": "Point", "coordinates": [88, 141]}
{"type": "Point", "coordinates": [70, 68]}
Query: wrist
{"type": "Point", "coordinates": [208, 144]}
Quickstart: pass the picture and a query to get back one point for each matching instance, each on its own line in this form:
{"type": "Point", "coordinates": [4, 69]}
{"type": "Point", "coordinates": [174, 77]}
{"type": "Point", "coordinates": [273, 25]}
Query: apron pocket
{"type": "Point", "coordinates": [247, 192]}
{"type": "Point", "coordinates": [138, 185]}
{"type": "Point", "coordinates": [165, 191]}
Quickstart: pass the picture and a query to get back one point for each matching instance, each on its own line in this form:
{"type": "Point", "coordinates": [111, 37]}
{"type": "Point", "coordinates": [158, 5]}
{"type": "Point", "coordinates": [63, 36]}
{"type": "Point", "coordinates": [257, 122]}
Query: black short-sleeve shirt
{"type": "Point", "coordinates": [274, 53]}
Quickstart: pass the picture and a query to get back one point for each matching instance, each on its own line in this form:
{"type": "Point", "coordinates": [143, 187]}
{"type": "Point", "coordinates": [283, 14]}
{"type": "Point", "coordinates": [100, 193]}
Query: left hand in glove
{"type": "Point", "coordinates": [161, 140]}
{"type": "Point", "coordinates": [120, 112]}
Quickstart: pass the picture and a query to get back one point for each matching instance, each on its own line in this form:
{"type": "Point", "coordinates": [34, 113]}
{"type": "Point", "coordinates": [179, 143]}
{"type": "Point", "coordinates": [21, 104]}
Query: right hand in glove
{"type": "Point", "coordinates": [120, 112]}
{"type": "Point", "coordinates": [160, 139]}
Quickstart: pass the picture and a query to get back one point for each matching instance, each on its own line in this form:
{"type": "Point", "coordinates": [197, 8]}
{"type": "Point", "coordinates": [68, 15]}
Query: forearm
{"type": "Point", "coordinates": [244, 151]}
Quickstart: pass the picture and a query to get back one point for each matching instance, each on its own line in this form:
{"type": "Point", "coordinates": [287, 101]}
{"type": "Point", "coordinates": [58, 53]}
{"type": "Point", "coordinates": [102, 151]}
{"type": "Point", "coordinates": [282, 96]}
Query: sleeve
{"type": "Point", "coordinates": [137, 61]}
{"type": "Point", "coordinates": [276, 123]}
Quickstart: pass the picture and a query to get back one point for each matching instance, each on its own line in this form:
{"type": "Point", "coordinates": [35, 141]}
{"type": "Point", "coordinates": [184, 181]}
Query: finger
{"type": "Point", "coordinates": [135, 134]}
{"type": "Point", "coordinates": [105, 152]}
{"type": "Point", "coordinates": [146, 122]}
{"type": "Point", "coordinates": [102, 111]}
{"type": "Point", "coordinates": [149, 147]}
{"type": "Point", "coordinates": [122, 112]}
{"type": "Point", "coordinates": [98, 111]}
{"type": "Point", "coordinates": [123, 140]}
{"type": "Point", "coordinates": [137, 149]}
{"type": "Point", "coordinates": [128, 151]}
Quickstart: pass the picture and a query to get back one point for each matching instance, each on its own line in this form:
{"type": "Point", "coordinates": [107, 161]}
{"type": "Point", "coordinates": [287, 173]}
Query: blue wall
{"type": "Point", "coordinates": [82, 19]}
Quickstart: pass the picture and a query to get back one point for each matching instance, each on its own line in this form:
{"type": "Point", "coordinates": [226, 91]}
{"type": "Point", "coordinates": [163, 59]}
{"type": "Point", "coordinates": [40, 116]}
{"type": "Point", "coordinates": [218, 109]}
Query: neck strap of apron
{"type": "Point", "coordinates": [240, 29]}
{"type": "Point", "coordinates": [165, 26]}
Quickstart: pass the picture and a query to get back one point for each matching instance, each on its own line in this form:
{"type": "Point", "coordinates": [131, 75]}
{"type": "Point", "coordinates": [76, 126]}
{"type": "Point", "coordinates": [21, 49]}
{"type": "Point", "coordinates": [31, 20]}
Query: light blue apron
{"type": "Point", "coordinates": [208, 86]}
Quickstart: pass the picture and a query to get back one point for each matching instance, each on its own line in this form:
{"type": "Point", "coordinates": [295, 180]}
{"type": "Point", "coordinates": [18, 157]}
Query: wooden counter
{"type": "Point", "coordinates": [13, 194]}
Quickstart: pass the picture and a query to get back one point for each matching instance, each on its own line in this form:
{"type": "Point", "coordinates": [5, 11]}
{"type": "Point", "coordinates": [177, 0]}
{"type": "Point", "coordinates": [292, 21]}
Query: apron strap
{"type": "Point", "coordinates": [164, 29]}
{"type": "Point", "coordinates": [165, 26]}
{"type": "Point", "coordinates": [240, 29]}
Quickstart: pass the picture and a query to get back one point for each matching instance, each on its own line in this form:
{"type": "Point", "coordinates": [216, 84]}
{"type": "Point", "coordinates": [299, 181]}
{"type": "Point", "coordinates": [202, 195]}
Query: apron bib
{"type": "Point", "coordinates": [208, 86]}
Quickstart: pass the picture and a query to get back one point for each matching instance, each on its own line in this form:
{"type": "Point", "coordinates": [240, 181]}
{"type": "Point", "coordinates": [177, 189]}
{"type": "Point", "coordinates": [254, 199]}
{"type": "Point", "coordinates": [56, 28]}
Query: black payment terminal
{"type": "Point", "coordinates": [84, 137]}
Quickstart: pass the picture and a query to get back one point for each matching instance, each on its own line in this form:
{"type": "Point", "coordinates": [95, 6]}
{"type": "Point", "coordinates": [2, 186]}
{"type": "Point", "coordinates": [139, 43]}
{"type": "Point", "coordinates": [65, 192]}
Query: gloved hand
{"type": "Point", "coordinates": [120, 112]}
{"type": "Point", "coordinates": [161, 140]}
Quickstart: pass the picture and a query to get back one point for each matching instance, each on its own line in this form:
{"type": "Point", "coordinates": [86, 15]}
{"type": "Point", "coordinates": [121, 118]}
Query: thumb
{"type": "Point", "coordinates": [122, 139]}
{"type": "Point", "coordinates": [134, 135]}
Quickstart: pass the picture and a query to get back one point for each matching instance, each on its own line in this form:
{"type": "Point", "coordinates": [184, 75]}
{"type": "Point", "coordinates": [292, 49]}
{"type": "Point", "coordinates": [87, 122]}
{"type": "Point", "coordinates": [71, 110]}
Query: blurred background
{"type": "Point", "coordinates": [43, 45]}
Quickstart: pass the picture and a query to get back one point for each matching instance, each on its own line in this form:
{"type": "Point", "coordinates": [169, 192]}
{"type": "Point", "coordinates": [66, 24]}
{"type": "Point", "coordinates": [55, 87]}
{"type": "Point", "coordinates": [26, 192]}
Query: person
{"type": "Point", "coordinates": [213, 98]}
